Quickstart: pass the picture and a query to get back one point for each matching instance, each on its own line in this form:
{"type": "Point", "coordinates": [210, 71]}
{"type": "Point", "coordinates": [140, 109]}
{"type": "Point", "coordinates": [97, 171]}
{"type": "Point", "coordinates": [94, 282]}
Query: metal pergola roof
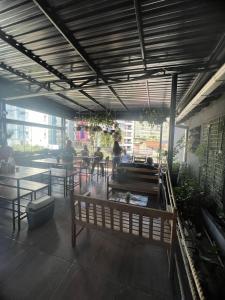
{"type": "Point", "coordinates": [109, 55]}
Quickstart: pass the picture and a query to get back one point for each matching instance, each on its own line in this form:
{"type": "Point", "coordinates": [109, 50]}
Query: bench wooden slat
{"type": "Point", "coordinates": [156, 226]}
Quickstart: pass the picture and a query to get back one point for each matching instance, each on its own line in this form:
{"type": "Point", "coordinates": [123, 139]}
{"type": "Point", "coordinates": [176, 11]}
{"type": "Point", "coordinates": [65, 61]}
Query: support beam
{"type": "Point", "coordinates": [137, 8]}
{"type": "Point", "coordinates": [52, 16]}
{"type": "Point", "coordinates": [160, 143]}
{"type": "Point", "coordinates": [172, 121]}
{"type": "Point", "coordinates": [44, 86]}
{"type": "Point", "coordinates": [3, 135]}
{"type": "Point", "coordinates": [18, 46]}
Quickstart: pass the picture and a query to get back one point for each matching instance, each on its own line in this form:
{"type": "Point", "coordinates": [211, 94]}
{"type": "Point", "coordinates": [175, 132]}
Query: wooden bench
{"type": "Point", "coordinates": [151, 225]}
{"type": "Point", "coordinates": [139, 170]}
{"type": "Point", "coordinates": [26, 185]}
{"type": "Point", "coordinates": [10, 195]}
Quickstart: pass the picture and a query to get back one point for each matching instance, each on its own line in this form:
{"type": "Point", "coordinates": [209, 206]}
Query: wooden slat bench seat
{"type": "Point", "coordinates": [154, 226]}
{"type": "Point", "coordinates": [29, 185]}
{"type": "Point", "coordinates": [138, 170]}
{"type": "Point", "coordinates": [10, 195]}
{"type": "Point", "coordinates": [142, 177]}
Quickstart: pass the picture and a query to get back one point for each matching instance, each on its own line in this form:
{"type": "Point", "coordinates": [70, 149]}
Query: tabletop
{"type": "Point", "coordinates": [63, 172]}
{"type": "Point", "coordinates": [51, 161]}
{"type": "Point", "coordinates": [24, 172]}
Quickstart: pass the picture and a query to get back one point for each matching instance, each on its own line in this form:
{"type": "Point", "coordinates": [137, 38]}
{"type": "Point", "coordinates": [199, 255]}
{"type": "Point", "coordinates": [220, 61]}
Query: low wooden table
{"type": "Point", "coordinates": [142, 188]}
{"type": "Point", "coordinates": [138, 200]}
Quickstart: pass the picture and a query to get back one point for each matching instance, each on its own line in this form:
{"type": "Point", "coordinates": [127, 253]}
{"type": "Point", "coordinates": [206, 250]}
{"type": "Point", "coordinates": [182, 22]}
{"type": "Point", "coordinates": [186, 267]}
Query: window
{"type": "Point", "coordinates": [70, 129]}
{"type": "Point", "coordinates": [22, 114]}
{"type": "Point", "coordinates": [30, 139]}
{"type": "Point", "coordinates": [47, 134]}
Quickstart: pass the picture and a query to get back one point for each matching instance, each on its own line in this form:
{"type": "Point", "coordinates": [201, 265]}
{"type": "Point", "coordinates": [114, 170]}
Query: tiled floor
{"type": "Point", "coordinates": [41, 264]}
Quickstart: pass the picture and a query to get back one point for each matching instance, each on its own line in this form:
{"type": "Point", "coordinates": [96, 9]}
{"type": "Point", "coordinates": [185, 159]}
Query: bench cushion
{"type": "Point", "coordinates": [40, 211]}
{"type": "Point", "coordinates": [40, 203]}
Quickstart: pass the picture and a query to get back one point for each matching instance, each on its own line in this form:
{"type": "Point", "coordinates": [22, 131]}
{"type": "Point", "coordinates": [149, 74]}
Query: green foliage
{"type": "Point", "coordinates": [100, 118]}
{"type": "Point", "coordinates": [106, 140]}
{"type": "Point", "coordinates": [27, 148]}
{"type": "Point", "coordinates": [201, 151]}
{"type": "Point", "coordinates": [153, 116]}
{"type": "Point", "coordinates": [189, 198]}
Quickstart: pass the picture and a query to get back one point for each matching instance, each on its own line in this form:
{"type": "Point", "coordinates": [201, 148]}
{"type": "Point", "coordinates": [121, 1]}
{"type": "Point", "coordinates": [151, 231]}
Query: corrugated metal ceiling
{"type": "Point", "coordinates": [175, 36]}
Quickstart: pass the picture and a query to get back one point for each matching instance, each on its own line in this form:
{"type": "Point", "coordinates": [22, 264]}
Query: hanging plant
{"type": "Point", "coordinates": [154, 116]}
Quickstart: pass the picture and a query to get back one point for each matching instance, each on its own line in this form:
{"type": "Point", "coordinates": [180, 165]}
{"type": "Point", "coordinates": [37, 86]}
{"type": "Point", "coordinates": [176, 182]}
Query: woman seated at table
{"type": "Point", "coordinates": [98, 157]}
{"type": "Point", "coordinates": [85, 154]}
{"type": "Point", "coordinates": [125, 158]}
{"type": "Point", "coordinates": [6, 152]}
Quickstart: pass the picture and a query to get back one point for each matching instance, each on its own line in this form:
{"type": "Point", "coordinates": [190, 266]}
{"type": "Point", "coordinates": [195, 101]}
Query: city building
{"type": "Point", "coordinates": [127, 128]}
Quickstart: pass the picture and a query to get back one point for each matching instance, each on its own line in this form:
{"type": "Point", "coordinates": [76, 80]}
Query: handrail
{"type": "Point", "coordinates": [188, 262]}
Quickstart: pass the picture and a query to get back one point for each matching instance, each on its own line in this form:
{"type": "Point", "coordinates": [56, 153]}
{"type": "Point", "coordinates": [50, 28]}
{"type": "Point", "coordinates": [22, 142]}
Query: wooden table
{"type": "Point", "coordinates": [22, 173]}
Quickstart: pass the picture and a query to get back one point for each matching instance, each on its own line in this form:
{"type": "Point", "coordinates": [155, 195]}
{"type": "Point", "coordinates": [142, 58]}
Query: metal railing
{"type": "Point", "coordinates": [191, 273]}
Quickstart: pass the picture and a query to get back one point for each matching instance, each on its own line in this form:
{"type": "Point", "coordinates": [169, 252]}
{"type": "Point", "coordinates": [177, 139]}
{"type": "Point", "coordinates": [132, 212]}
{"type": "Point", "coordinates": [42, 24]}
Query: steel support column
{"type": "Point", "coordinates": [3, 133]}
{"type": "Point", "coordinates": [172, 121]}
{"type": "Point", "coordinates": [160, 143]}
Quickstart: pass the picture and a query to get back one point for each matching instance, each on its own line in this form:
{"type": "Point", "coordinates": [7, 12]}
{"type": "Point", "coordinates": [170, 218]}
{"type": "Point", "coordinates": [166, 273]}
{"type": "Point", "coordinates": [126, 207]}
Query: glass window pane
{"type": "Point", "coordinates": [22, 114]}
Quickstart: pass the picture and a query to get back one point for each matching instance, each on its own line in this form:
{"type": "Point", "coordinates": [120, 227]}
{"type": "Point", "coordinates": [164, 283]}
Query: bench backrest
{"type": "Point", "coordinates": [151, 224]}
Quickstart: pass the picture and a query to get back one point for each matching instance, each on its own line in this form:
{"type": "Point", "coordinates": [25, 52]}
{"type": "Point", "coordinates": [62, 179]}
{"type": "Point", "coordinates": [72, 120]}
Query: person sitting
{"type": "Point", "coordinates": [125, 158]}
{"type": "Point", "coordinates": [6, 152]}
{"type": "Point", "coordinates": [68, 154]}
{"type": "Point", "coordinates": [85, 154]}
{"type": "Point", "coordinates": [98, 157]}
{"type": "Point", "coordinates": [149, 163]}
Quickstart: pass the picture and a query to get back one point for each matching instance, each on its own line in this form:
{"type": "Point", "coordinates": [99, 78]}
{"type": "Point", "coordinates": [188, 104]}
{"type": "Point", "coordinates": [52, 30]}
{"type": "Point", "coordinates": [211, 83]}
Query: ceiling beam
{"type": "Point", "coordinates": [42, 85]}
{"type": "Point", "coordinates": [28, 53]}
{"type": "Point", "coordinates": [154, 73]}
{"type": "Point", "coordinates": [52, 16]}
{"type": "Point", "coordinates": [19, 46]}
{"type": "Point", "coordinates": [137, 8]}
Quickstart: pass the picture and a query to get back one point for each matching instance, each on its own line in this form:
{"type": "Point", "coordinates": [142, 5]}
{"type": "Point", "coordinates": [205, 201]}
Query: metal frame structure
{"type": "Point", "coordinates": [98, 55]}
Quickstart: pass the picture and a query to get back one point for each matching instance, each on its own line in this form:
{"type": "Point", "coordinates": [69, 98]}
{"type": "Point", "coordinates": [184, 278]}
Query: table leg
{"type": "Point", "coordinates": [50, 183]}
{"type": "Point", "coordinates": [13, 215]}
{"type": "Point", "coordinates": [18, 203]}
